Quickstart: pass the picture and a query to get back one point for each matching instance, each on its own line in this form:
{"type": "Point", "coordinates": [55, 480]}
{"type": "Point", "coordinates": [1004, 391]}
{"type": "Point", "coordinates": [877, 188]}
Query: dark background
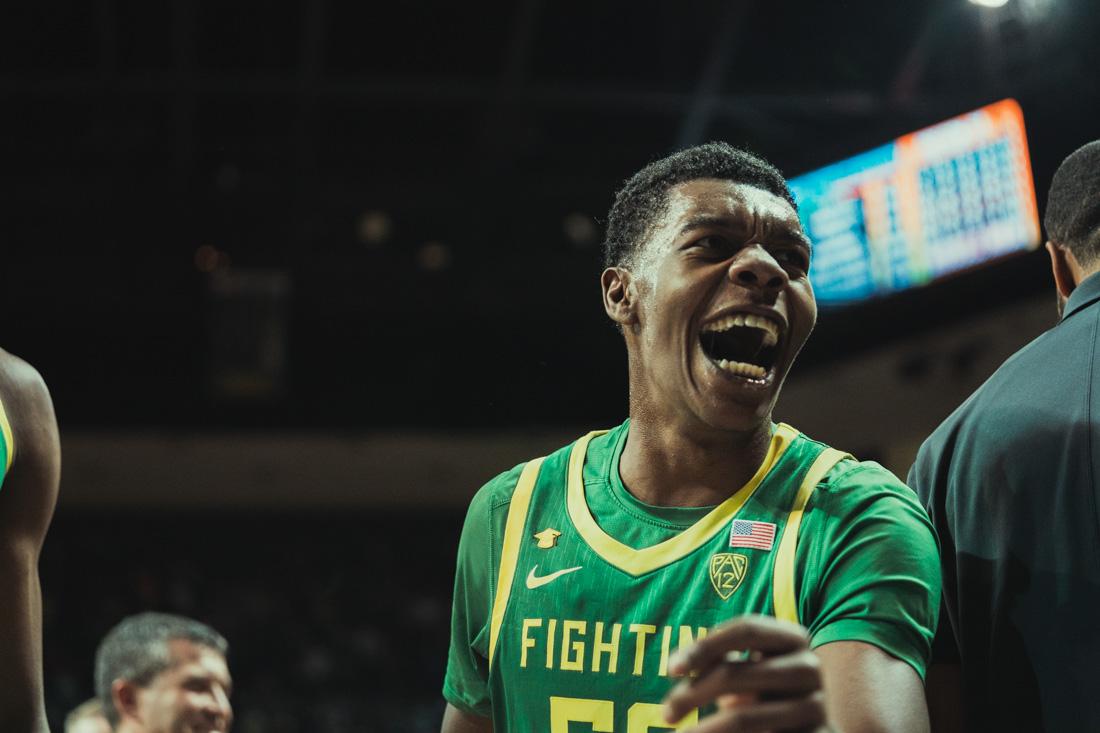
{"type": "Point", "coordinates": [335, 216]}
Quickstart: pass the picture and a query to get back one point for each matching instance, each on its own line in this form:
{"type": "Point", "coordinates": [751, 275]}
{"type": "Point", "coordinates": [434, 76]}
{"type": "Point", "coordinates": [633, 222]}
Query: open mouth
{"type": "Point", "coordinates": [742, 344]}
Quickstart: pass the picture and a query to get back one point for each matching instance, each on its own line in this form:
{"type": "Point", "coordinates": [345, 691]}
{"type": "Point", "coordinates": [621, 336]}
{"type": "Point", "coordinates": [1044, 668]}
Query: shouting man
{"type": "Point", "coordinates": [790, 586]}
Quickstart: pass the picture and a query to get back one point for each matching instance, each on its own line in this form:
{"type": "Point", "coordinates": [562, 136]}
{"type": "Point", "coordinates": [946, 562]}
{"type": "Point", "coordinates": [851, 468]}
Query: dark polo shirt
{"type": "Point", "coordinates": [1010, 482]}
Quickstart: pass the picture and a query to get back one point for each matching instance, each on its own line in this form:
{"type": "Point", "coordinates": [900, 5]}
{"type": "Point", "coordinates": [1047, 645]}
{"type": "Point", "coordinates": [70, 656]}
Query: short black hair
{"type": "Point", "coordinates": [136, 649]}
{"type": "Point", "coordinates": [644, 197]}
{"type": "Point", "coordinates": [1073, 206]}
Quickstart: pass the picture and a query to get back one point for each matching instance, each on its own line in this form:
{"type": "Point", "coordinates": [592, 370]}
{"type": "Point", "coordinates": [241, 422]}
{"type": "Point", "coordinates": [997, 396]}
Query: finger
{"type": "Point", "coordinates": [756, 633]}
{"type": "Point", "coordinates": [790, 674]}
{"type": "Point", "coordinates": [732, 700]}
{"type": "Point", "coordinates": [804, 713]}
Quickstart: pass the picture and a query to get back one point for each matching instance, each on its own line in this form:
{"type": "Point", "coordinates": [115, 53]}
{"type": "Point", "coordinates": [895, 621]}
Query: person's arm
{"type": "Point", "coordinates": [869, 595]}
{"type": "Point", "coordinates": [27, 498]}
{"type": "Point", "coordinates": [763, 676]}
{"type": "Point", "coordinates": [460, 721]}
{"type": "Point", "coordinates": [466, 684]}
{"type": "Point", "coordinates": [866, 689]}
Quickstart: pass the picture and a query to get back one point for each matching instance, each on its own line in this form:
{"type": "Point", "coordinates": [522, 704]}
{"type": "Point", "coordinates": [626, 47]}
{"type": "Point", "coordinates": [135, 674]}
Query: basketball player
{"type": "Point", "coordinates": [789, 586]}
{"type": "Point", "coordinates": [160, 673]}
{"type": "Point", "coordinates": [30, 465]}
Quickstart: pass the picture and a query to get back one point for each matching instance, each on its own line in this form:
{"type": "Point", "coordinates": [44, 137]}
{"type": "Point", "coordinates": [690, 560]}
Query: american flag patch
{"type": "Point", "coordinates": [758, 535]}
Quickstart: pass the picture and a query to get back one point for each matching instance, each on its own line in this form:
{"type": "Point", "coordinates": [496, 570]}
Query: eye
{"type": "Point", "coordinates": [195, 684]}
{"type": "Point", "coordinates": [794, 258]}
{"type": "Point", "coordinates": [711, 243]}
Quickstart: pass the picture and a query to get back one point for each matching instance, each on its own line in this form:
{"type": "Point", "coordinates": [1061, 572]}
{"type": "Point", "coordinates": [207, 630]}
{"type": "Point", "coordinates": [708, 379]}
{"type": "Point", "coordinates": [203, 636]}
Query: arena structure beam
{"type": "Point", "coordinates": [508, 91]}
{"type": "Point", "coordinates": [184, 83]}
{"type": "Point", "coordinates": [700, 112]}
{"type": "Point", "coordinates": [841, 102]}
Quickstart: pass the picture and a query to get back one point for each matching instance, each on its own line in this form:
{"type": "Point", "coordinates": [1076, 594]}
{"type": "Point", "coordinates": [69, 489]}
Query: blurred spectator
{"type": "Point", "coordinates": [87, 717]}
{"type": "Point", "coordinates": [359, 624]}
{"type": "Point", "coordinates": [159, 672]}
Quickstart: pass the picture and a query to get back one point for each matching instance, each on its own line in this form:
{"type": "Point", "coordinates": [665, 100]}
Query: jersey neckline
{"type": "Point", "coordinates": [675, 518]}
{"type": "Point", "coordinates": [640, 561]}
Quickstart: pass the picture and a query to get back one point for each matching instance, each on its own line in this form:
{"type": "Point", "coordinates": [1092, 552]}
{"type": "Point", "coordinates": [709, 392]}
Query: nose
{"type": "Point", "coordinates": [220, 707]}
{"type": "Point", "coordinates": [754, 267]}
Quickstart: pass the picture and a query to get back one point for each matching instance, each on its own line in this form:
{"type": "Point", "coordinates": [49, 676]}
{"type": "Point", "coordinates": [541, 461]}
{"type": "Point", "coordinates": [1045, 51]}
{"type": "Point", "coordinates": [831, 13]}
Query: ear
{"type": "Point", "coordinates": [124, 694]}
{"type": "Point", "coordinates": [619, 295]}
{"type": "Point", "coordinates": [1063, 268]}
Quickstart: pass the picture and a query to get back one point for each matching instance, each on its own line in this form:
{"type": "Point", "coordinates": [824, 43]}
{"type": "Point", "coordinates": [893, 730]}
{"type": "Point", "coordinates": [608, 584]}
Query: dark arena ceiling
{"type": "Point", "coordinates": [362, 214]}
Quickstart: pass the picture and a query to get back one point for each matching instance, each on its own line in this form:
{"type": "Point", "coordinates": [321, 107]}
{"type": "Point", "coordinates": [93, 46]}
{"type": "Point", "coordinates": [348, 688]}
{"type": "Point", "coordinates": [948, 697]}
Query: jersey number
{"type": "Point", "coordinates": [642, 717]}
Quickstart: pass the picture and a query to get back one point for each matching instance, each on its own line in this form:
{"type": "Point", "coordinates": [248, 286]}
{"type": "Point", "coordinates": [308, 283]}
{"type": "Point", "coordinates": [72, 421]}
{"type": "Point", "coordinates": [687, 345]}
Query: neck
{"type": "Point", "coordinates": [665, 465]}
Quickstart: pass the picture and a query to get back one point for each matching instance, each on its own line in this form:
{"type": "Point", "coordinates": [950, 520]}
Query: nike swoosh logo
{"type": "Point", "coordinates": [534, 581]}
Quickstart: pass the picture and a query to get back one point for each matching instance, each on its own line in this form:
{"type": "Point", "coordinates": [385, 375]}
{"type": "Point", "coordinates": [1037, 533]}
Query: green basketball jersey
{"type": "Point", "coordinates": [571, 626]}
{"type": "Point", "coordinates": [5, 443]}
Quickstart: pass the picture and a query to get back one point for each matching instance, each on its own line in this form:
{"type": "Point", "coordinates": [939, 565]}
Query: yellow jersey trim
{"type": "Point", "coordinates": [786, 604]}
{"type": "Point", "coordinates": [644, 560]}
{"type": "Point", "coordinates": [9, 439]}
{"type": "Point", "coordinates": [509, 554]}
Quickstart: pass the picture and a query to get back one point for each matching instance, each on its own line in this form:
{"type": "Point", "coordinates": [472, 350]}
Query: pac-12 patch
{"type": "Point", "coordinates": [757, 535]}
{"type": "Point", "coordinates": [727, 570]}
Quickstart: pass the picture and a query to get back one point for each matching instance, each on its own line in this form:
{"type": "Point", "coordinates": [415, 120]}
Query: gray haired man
{"type": "Point", "coordinates": [159, 673]}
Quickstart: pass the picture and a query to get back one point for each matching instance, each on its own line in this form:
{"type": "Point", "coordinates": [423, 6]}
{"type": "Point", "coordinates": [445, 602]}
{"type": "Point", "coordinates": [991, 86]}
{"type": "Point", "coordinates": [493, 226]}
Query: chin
{"type": "Point", "coordinates": [736, 417]}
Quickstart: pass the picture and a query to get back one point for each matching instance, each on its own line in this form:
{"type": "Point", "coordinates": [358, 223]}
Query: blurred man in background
{"type": "Point", "coordinates": [1010, 481]}
{"type": "Point", "coordinates": [30, 466]}
{"type": "Point", "coordinates": [160, 673]}
{"type": "Point", "coordinates": [87, 717]}
{"type": "Point", "coordinates": [698, 519]}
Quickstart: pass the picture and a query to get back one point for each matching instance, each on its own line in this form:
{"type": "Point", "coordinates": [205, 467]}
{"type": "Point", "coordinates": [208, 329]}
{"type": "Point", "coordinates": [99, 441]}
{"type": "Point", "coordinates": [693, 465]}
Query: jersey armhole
{"type": "Point", "coordinates": [9, 438]}
{"type": "Point", "coordinates": [509, 554]}
{"type": "Point", "coordinates": [784, 599]}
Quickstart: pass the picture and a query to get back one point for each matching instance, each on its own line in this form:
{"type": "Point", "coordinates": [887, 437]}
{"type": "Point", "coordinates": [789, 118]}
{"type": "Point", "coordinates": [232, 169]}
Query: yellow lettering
{"type": "Point", "coordinates": [528, 642]}
{"type": "Point", "coordinates": [599, 648]}
{"type": "Point", "coordinates": [666, 643]}
{"type": "Point", "coordinates": [566, 710]}
{"type": "Point", "coordinates": [551, 628]}
{"type": "Point", "coordinates": [685, 635]}
{"type": "Point", "coordinates": [642, 716]}
{"type": "Point", "coordinates": [641, 631]}
{"type": "Point", "coordinates": [573, 663]}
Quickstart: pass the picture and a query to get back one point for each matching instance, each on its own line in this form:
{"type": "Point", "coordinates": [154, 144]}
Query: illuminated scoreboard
{"type": "Point", "coordinates": [940, 200]}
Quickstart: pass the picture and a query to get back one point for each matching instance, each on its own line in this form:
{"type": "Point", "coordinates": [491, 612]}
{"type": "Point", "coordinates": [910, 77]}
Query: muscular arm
{"type": "Point", "coordinates": [458, 721]}
{"type": "Point", "coordinates": [847, 686]}
{"type": "Point", "coordinates": [867, 690]}
{"type": "Point", "coordinates": [27, 499]}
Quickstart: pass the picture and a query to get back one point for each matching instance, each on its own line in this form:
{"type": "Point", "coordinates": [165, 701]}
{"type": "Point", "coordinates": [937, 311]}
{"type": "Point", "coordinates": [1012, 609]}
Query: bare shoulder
{"type": "Point", "coordinates": [22, 391]}
{"type": "Point", "coordinates": [29, 490]}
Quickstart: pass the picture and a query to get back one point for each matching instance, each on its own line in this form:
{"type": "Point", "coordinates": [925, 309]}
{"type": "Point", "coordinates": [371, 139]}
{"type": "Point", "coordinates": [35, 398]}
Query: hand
{"type": "Point", "coordinates": [759, 671]}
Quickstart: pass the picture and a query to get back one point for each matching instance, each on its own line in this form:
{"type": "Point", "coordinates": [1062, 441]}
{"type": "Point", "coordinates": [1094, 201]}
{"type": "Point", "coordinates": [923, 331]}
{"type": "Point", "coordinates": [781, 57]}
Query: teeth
{"type": "Point", "coordinates": [770, 329]}
{"type": "Point", "coordinates": [741, 369]}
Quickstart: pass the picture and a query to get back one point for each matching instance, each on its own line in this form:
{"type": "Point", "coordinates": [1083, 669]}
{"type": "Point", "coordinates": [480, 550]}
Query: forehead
{"type": "Point", "coordinates": [189, 658]}
{"type": "Point", "coordinates": [712, 197]}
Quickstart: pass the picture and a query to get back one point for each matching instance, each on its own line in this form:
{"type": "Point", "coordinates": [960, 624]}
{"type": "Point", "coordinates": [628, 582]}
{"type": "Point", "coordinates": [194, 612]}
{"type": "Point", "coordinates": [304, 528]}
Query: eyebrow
{"type": "Point", "coordinates": [226, 682]}
{"type": "Point", "coordinates": [708, 221]}
{"type": "Point", "coordinates": [704, 221]}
